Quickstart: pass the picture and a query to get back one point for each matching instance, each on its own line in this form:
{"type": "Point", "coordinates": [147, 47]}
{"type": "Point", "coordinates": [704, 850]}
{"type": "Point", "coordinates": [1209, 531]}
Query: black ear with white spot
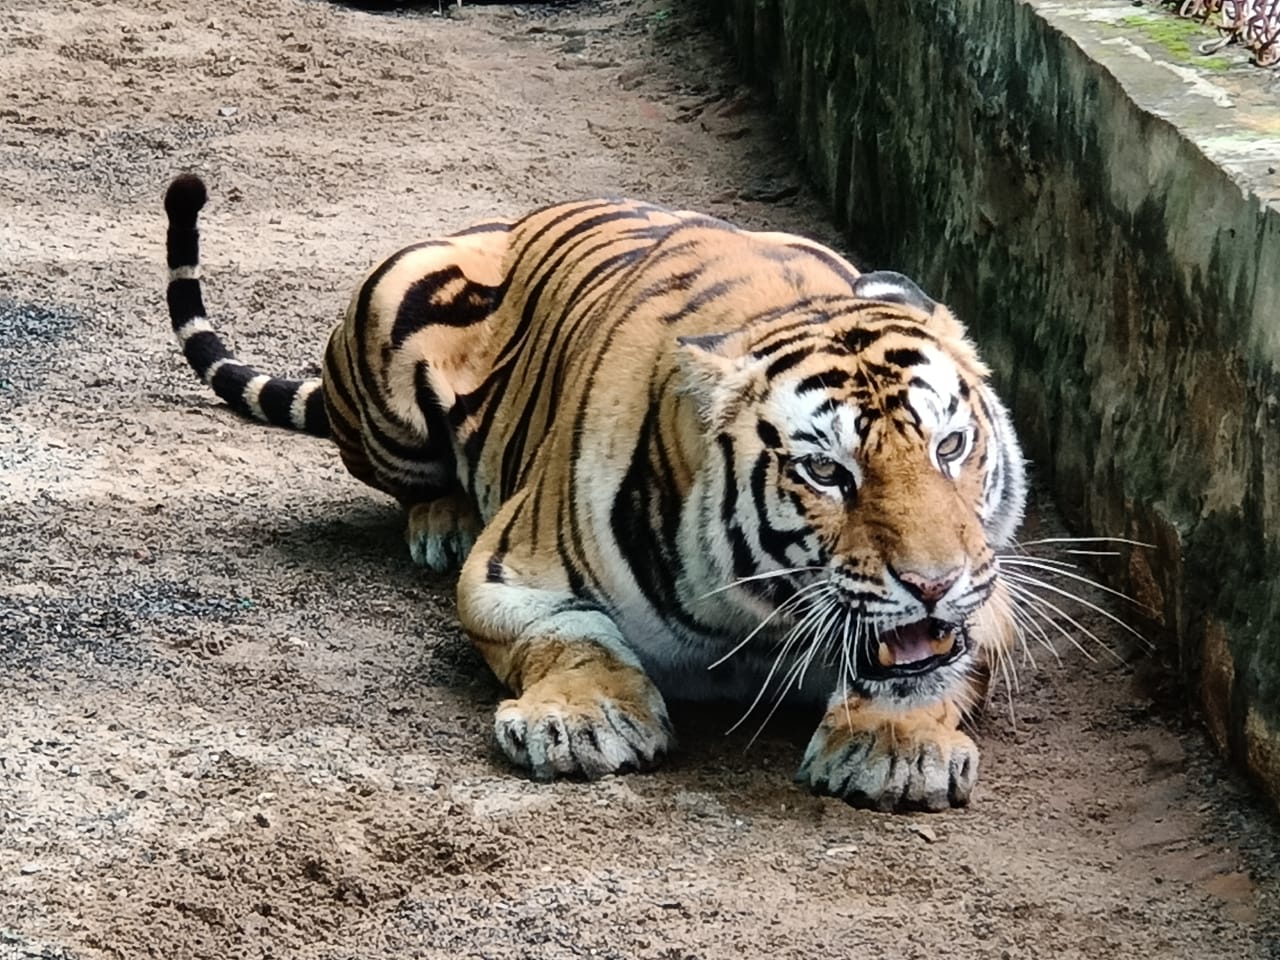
{"type": "Point", "coordinates": [892, 287]}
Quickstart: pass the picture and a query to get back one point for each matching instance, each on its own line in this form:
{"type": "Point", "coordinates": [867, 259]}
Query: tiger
{"type": "Point", "coordinates": [674, 460]}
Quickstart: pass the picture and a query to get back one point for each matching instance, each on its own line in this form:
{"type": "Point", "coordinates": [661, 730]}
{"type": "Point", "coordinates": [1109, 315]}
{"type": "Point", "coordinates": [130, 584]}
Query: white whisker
{"type": "Point", "coordinates": [1027, 623]}
{"type": "Point", "coordinates": [795, 598]}
{"type": "Point", "coordinates": [1036, 564]}
{"type": "Point", "coordinates": [1038, 603]}
{"type": "Point", "coordinates": [1124, 540]}
{"type": "Point", "coordinates": [767, 575]}
{"type": "Point", "coordinates": [1028, 580]}
{"type": "Point", "coordinates": [845, 672]}
{"type": "Point", "coordinates": [1024, 623]}
{"type": "Point", "coordinates": [1052, 561]}
{"type": "Point", "coordinates": [797, 670]}
{"type": "Point", "coordinates": [792, 636]}
{"type": "Point", "coordinates": [1010, 685]}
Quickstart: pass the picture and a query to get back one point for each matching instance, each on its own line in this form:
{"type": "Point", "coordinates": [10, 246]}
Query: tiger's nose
{"type": "Point", "coordinates": [928, 587]}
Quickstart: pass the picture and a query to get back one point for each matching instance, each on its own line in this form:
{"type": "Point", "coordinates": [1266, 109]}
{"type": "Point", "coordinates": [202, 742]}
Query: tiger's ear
{"type": "Point", "coordinates": [714, 367]}
{"type": "Point", "coordinates": [888, 286]}
{"type": "Point", "coordinates": [892, 287]}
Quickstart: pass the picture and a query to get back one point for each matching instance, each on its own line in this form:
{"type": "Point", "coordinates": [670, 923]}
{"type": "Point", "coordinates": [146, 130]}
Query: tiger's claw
{"type": "Point", "coordinates": [885, 762]}
{"type": "Point", "coordinates": [551, 736]}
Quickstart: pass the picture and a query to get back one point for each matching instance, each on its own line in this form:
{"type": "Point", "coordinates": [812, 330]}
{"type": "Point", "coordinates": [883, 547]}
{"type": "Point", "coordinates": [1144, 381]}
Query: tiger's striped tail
{"type": "Point", "coordinates": [295, 404]}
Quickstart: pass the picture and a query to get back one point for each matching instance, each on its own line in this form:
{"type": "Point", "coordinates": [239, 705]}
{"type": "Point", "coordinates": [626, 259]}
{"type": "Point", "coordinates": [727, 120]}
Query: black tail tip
{"type": "Point", "coordinates": [184, 198]}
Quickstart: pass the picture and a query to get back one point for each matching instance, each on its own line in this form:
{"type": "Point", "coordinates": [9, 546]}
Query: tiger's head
{"type": "Point", "coordinates": [866, 474]}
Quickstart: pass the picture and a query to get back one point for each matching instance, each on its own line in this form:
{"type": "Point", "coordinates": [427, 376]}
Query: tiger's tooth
{"type": "Point", "coordinates": [942, 646]}
{"type": "Point", "coordinates": [885, 655]}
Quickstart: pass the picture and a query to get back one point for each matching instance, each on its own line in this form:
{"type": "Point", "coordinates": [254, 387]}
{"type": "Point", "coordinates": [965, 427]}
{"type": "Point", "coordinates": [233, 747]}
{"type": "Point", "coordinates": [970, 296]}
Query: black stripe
{"type": "Point", "coordinates": [514, 438]}
{"type": "Point", "coordinates": [744, 562]}
{"type": "Point", "coordinates": [489, 226]}
{"type": "Point", "coordinates": [858, 339]}
{"type": "Point", "coordinates": [827, 380]}
{"type": "Point", "coordinates": [361, 372]}
{"type": "Point", "coordinates": [203, 350]}
{"type": "Point", "coordinates": [828, 405]}
{"type": "Point", "coordinates": [904, 357]}
{"type": "Point", "coordinates": [645, 519]}
{"type": "Point", "coordinates": [772, 540]}
{"type": "Point", "coordinates": [836, 263]}
{"type": "Point", "coordinates": [229, 381]}
{"type": "Point", "coordinates": [185, 301]}
{"type": "Point", "coordinates": [335, 379]}
{"type": "Point", "coordinates": [370, 429]}
{"type": "Point", "coordinates": [767, 348]}
{"type": "Point", "coordinates": [729, 505]}
{"type": "Point", "coordinates": [768, 434]}
{"type": "Point", "coordinates": [891, 324]}
{"type": "Point", "coordinates": [438, 445]}
{"type": "Point", "coordinates": [418, 307]}
{"type": "Point", "coordinates": [881, 372]}
{"type": "Point", "coordinates": [493, 569]}
{"type": "Point", "coordinates": [551, 260]}
{"type": "Point", "coordinates": [316, 415]}
{"type": "Point", "coordinates": [704, 298]}
{"type": "Point", "coordinates": [276, 401]}
{"type": "Point", "coordinates": [361, 312]}
{"type": "Point", "coordinates": [492, 391]}
{"type": "Point", "coordinates": [784, 363]}
{"type": "Point", "coordinates": [560, 340]}
{"type": "Point", "coordinates": [672, 283]}
{"type": "Point", "coordinates": [182, 246]}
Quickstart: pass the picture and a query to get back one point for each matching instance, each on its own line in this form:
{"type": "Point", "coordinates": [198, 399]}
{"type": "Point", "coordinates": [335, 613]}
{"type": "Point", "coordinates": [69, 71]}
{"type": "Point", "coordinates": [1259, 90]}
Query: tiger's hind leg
{"type": "Point", "coordinates": [416, 333]}
{"type": "Point", "coordinates": [441, 532]}
{"type": "Point", "coordinates": [441, 522]}
{"type": "Point", "coordinates": [583, 705]}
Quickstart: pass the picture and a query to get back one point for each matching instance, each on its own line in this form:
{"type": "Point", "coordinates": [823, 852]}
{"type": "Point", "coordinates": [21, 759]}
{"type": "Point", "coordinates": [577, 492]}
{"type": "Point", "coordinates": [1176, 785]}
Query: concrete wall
{"type": "Point", "coordinates": [1103, 212]}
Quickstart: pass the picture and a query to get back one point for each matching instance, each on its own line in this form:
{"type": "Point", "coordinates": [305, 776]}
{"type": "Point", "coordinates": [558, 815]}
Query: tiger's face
{"type": "Point", "coordinates": [876, 473]}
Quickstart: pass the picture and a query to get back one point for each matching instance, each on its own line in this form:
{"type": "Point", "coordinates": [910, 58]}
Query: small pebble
{"type": "Point", "coordinates": [926, 833]}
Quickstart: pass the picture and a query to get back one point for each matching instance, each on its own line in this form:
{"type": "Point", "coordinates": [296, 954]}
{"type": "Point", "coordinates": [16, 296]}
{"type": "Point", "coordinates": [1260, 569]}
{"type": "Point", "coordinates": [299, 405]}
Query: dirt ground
{"type": "Point", "coordinates": [237, 722]}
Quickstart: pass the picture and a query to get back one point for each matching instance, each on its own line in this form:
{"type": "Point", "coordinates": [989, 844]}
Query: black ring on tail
{"type": "Point", "coordinates": [294, 404]}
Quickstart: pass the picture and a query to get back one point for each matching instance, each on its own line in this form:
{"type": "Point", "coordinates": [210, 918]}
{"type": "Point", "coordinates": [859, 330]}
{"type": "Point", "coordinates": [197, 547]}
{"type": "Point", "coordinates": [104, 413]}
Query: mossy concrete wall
{"type": "Point", "coordinates": [1102, 208]}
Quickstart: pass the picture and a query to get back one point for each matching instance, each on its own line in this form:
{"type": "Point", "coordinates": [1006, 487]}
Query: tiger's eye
{"type": "Point", "coordinates": [823, 473]}
{"type": "Point", "coordinates": [823, 469]}
{"type": "Point", "coordinates": [951, 446]}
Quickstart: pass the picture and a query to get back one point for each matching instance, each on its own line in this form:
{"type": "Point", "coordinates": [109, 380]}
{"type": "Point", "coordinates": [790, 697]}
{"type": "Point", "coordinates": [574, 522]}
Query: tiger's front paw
{"type": "Point", "coordinates": [566, 726]}
{"type": "Point", "coordinates": [890, 762]}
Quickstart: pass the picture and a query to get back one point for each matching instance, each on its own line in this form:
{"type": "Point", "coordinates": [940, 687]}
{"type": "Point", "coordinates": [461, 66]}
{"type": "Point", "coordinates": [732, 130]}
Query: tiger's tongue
{"type": "Point", "coordinates": [911, 643]}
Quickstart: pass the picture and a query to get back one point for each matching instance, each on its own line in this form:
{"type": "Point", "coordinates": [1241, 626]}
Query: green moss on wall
{"type": "Point", "coordinates": [1179, 36]}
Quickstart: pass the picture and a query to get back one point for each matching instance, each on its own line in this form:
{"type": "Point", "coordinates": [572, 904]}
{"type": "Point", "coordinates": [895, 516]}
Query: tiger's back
{"type": "Point", "coordinates": [502, 326]}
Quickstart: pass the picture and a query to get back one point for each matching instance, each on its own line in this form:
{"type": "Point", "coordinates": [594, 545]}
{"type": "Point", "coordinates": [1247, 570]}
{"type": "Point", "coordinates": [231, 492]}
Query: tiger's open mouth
{"type": "Point", "coordinates": [912, 649]}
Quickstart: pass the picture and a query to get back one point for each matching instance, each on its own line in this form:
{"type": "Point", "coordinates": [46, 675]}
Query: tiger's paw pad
{"type": "Point", "coordinates": [551, 737]}
{"type": "Point", "coordinates": [892, 769]}
{"type": "Point", "coordinates": [441, 533]}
